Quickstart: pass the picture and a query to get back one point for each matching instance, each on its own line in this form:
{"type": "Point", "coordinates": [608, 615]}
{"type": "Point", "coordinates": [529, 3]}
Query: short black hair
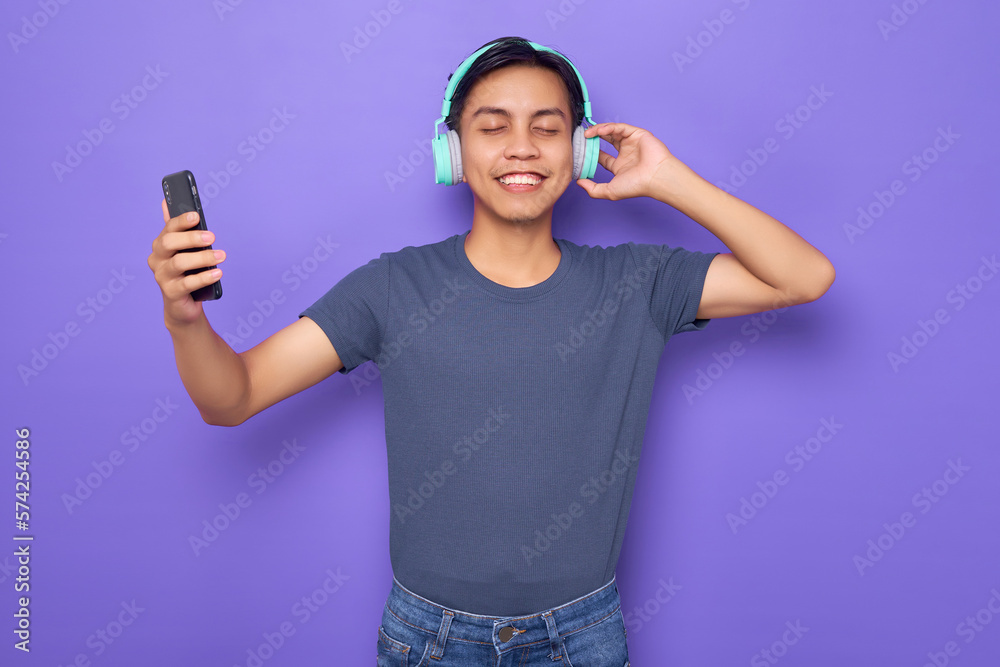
{"type": "Point", "coordinates": [508, 51]}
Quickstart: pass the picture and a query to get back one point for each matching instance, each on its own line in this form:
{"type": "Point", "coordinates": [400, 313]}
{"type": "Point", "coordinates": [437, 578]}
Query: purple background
{"type": "Point", "coordinates": [351, 119]}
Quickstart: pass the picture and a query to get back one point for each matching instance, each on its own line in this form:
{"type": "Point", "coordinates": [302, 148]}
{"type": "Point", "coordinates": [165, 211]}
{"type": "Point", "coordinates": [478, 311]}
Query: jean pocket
{"type": "Point", "coordinates": [600, 644]}
{"type": "Point", "coordinates": [391, 652]}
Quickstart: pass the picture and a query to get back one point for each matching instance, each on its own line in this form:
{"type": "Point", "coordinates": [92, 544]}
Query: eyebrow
{"type": "Point", "coordinates": [498, 111]}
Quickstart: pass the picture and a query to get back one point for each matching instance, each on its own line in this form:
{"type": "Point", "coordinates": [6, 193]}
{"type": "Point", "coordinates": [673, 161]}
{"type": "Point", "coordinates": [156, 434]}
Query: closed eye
{"type": "Point", "coordinates": [494, 130]}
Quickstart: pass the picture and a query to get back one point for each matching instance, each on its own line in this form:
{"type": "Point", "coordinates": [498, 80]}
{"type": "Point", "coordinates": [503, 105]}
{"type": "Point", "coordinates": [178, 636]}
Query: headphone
{"type": "Point", "coordinates": [447, 148]}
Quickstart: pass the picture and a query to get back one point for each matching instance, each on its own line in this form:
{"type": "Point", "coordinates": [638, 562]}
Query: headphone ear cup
{"type": "Point", "coordinates": [442, 159]}
{"type": "Point", "coordinates": [455, 151]}
{"type": "Point", "coordinates": [586, 151]}
{"type": "Point", "coordinates": [591, 155]}
{"type": "Point", "coordinates": [579, 151]}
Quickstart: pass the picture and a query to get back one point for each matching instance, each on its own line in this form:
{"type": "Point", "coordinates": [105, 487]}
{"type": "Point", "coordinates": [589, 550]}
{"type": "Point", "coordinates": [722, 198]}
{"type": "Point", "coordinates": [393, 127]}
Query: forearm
{"type": "Point", "coordinates": [213, 374]}
{"type": "Point", "coordinates": [768, 249]}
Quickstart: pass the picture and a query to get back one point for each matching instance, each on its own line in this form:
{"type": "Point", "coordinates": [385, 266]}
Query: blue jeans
{"type": "Point", "coordinates": [586, 632]}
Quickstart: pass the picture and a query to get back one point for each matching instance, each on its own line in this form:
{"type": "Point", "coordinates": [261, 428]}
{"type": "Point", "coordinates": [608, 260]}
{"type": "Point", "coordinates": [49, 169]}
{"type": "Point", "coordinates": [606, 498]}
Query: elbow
{"type": "Point", "coordinates": [222, 419]}
{"type": "Point", "coordinates": [821, 282]}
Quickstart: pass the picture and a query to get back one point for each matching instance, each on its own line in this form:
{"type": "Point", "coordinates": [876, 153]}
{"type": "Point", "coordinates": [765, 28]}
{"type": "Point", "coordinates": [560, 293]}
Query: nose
{"type": "Point", "coordinates": [521, 143]}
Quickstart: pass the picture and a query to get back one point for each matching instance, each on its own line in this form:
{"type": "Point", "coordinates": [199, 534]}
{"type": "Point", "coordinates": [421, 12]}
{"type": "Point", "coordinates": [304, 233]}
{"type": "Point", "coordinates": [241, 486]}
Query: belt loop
{"type": "Point", "coordinates": [438, 650]}
{"type": "Point", "coordinates": [550, 624]}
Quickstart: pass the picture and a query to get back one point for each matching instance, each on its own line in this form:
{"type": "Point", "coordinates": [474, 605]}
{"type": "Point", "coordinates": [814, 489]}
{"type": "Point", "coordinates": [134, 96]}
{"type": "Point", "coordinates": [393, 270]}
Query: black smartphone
{"type": "Point", "coordinates": [181, 194]}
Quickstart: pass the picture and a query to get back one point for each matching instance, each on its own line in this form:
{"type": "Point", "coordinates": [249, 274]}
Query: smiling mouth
{"type": "Point", "coordinates": [520, 182]}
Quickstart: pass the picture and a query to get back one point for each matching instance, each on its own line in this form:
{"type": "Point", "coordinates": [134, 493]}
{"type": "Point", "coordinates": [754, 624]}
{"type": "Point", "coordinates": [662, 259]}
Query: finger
{"type": "Point", "coordinates": [184, 285]}
{"type": "Point", "coordinates": [606, 161]}
{"type": "Point", "coordinates": [166, 213]}
{"type": "Point", "coordinates": [182, 222]}
{"type": "Point", "coordinates": [188, 261]}
{"type": "Point", "coordinates": [595, 190]}
{"type": "Point", "coordinates": [175, 241]}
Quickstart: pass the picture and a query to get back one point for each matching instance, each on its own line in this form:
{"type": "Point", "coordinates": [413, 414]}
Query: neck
{"type": "Point", "coordinates": [514, 255]}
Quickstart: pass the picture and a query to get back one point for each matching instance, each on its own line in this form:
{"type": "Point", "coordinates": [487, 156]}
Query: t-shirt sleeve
{"type": "Point", "coordinates": [674, 278]}
{"type": "Point", "coordinates": [353, 313]}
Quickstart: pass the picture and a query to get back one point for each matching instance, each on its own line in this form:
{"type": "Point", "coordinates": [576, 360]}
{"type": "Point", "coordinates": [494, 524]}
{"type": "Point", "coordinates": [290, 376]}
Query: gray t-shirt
{"type": "Point", "coordinates": [514, 417]}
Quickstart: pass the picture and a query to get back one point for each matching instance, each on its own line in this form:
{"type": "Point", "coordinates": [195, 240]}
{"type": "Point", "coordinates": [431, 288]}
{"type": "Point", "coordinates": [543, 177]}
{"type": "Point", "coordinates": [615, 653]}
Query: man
{"type": "Point", "coordinates": [517, 369]}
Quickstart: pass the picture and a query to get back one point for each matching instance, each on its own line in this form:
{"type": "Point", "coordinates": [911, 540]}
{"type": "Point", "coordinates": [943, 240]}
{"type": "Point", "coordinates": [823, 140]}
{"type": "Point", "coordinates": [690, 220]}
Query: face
{"type": "Point", "coordinates": [517, 144]}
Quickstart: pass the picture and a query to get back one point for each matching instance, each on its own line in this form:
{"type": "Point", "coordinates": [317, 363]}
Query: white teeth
{"type": "Point", "coordinates": [520, 179]}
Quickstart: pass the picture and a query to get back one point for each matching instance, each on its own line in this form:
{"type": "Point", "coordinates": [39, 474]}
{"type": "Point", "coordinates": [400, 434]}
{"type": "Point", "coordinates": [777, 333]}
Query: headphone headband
{"type": "Point", "coordinates": [468, 62]}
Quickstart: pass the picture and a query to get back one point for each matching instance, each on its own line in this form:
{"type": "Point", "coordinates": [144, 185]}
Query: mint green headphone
{"type": "Point", "coordinates": [447, 148]}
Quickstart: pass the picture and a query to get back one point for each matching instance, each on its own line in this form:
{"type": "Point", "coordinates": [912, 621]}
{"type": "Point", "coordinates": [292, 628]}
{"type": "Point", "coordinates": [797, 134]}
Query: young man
{"type": "Point", "coordinates": [517, 369]}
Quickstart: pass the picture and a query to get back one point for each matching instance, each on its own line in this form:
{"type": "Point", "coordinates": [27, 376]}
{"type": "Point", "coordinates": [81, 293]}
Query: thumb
{"type": "Point", "coordinates": [595, 190]}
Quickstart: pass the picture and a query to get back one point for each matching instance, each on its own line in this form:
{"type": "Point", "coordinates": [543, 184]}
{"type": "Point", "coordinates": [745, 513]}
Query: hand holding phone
{"type": "Point", "coordinates": [181, 194]}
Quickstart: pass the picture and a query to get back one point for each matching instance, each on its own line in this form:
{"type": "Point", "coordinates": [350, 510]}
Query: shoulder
{"type": "Point", "coordinates": [622, 255]}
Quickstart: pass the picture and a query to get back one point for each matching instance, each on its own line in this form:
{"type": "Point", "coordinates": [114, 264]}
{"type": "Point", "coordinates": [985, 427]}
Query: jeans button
{"type": "Point", "coordinates": [506, 633]}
